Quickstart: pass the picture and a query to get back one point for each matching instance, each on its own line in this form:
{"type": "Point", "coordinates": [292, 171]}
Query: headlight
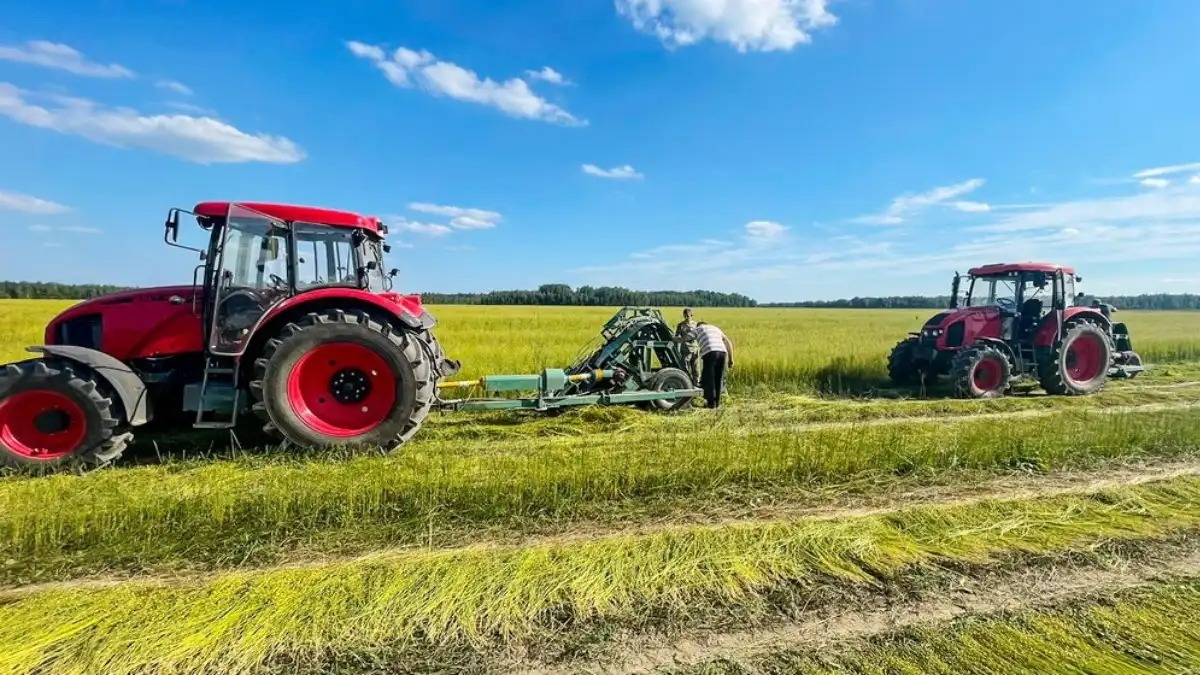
{"type": "Point", "coordinates": [934, 332]}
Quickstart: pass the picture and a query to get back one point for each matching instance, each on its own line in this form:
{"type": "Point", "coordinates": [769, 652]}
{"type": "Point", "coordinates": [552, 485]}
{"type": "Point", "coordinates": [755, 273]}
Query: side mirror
{"type": "Point", "coordinates": [387, 248]}
{"type": "Point", "coordinates": [270, 247]}
{"type": "Point", "coordinates": [394, 272]}
{"type": "Point", "coordinates": [172, 225]}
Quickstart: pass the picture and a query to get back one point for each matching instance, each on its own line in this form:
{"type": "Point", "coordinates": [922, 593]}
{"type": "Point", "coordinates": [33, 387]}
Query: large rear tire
{"type": "Point", "coordinates": [1078, 364]}
{"type": "Point", "coordinates": [982, 371]}
{"type": "Point", "coordinates": [903, 369]}
{"type": "Point", "coordinates": [669, 379]}
{"type": "Point", "coordinates": [53, 415]}
{"type": "Point", "coordinates": [338, 377]}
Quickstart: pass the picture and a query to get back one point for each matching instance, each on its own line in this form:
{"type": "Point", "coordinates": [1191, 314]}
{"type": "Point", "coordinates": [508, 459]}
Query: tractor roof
{"type": "Point", "coordinates": [292, 213]}
{"type": "Point", "coordinates": [1010, 268]}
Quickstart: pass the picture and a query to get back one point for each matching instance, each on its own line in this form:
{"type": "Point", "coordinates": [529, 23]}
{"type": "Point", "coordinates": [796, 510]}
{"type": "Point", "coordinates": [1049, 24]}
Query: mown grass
{"type": "Point", "coordinates": [484, 597]}
{"type": "Point", "coordinates": [1144, 630]}
{"type": "Point", "coordinates": [247, 512]}
{"type": "Point", "coordinates": [798, 350]}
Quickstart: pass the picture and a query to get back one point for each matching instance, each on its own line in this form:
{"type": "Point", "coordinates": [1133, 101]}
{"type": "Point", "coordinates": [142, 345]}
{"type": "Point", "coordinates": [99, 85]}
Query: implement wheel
{"type": "Point", "coordinates": [981, 372]}
{"type": "Point", "coordinates": [51, 415]}
{"type": "Point", "coordinates": [1078, 364]}
{"type": "Point", "coordinates": [669, 379]}
{"type": "Point", "coordinates": [339, 377]}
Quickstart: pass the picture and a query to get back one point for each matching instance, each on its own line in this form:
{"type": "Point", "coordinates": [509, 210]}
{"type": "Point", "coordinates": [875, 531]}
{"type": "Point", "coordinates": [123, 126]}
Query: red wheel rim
{"type": "Point", "coordinates": [41, 424]}
{"type": "Point", "coordinates": [989, 374]}
{"type": "Point", "coordinates": [342, 389]}
{"type": "Point", "coordinates": [1085, 358]}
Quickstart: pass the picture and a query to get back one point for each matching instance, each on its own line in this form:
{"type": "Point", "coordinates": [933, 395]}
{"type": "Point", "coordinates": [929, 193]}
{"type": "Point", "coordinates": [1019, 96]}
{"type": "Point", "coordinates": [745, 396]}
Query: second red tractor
{"type": "Point", "coordinates": [1017, 322]}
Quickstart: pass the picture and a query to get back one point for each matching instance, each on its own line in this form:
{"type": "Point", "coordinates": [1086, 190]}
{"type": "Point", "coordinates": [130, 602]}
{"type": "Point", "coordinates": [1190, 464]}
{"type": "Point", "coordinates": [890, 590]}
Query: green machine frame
{"type": "Point", "coordinates": [635, 346]}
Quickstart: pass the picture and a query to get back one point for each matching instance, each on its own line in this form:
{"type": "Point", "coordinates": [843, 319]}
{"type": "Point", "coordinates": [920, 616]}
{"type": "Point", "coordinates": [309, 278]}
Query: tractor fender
{"type": "Point", "coordinates": [407, 309]}
{"type": "Point", "coordinates": [346, 299]}
{"type": "Point", "coordinates": [126, 383]}
{"type": "Point", "coordinates": [1002, 346]}
{"type": "Point", "coordinates": [1047, 333]}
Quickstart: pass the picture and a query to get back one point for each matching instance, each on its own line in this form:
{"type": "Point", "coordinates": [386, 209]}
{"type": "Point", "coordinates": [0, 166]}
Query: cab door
{"type": "Point", "coordinates": [252, 272]}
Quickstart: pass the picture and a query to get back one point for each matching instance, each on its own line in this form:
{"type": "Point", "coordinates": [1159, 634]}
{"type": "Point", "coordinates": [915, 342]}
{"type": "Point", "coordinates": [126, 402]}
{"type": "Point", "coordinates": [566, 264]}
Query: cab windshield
{"type": "Point", "coordinates": [993, 292]}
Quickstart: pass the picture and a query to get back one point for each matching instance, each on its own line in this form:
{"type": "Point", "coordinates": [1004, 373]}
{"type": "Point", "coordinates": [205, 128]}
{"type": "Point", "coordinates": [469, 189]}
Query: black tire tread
{"type": "Point", "coordinates": [1050, 371]}
{"type": "Point", "coordinates": [416, 347]}
{"type": "Point", "coordinates": [962, 368]}
{"type": "Point", "coordinates": [901, 365]}
{"type": "Point", "coordinates": [112, 439]}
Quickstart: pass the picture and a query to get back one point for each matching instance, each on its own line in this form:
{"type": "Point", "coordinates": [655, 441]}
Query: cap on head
{"type": "Point", "coordinates": [687, 311]}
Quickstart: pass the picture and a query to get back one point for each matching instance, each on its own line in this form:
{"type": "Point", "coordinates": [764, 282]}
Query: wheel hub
{"type": "Point", "coordinates": [350, 385]}
{"type": "Point", "coordinates": [52, 422]}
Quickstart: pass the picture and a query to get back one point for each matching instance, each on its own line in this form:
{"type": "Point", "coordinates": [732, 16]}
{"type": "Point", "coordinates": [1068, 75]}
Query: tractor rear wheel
{"type": "Point", "coordinates": [1078, 364]}
{"type": "Point", "coordinates": [902, 363]}
{"type": "Point", "coordinates": [53, 415]}
{"type": "Point", "coordinates": [669, 379]}
{"type": "Point", "coordinates": [982, 371]}
{"type": "Point", "coordinates": [345, 378]}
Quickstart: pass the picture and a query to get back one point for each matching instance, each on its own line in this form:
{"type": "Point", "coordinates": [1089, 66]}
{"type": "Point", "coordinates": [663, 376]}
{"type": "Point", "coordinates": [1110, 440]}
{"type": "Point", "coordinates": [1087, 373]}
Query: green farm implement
{"type": "Point", "coordinates": [636, 362]}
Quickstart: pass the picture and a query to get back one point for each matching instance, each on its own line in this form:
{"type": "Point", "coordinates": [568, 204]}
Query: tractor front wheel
{"type": "Point", "coordinates": [1078, 364]}
{"type": "Point", "coordinates": [669, 379]}
{"type": "Point", "coordinates": [903, 368]}
{"type": "Point", "coordinates": [981, 372]}
{"type": "Point", "coordinates": [51, 415]}
{"type": "Point", "coordinates": [344, 378]}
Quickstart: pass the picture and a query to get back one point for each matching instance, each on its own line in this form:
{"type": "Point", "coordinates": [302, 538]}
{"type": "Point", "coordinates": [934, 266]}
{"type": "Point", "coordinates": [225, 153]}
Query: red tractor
{"type": "Point", "coordinates": [290, 315]}
{"type": "Point", "coordinates": [1018, 322]}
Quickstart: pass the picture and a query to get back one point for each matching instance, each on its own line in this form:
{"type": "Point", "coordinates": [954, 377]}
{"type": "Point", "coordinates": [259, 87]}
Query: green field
{"type": "Point", "coordinates": [822, 521]}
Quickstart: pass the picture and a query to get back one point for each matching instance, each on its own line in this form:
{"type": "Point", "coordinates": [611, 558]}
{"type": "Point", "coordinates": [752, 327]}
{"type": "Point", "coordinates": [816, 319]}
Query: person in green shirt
{"type": "Point", "coordinates": [689, 349]}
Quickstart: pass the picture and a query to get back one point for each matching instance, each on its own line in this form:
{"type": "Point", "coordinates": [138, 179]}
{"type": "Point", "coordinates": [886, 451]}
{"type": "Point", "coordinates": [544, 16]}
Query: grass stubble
{"type": "Point", "coordinates": [489, 598]}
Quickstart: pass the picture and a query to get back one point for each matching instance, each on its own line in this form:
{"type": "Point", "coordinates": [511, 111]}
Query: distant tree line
{"type": "Point", "coordinates": [604, 296]}
{"type": "Point", "coordinates": [1146, 301]}
{"type": "Point", "coordinates": [611, 296]}
{"type": "Point", "coordinates": [40, 290]}
{"type": "Point", "coordinates": [895, 302]}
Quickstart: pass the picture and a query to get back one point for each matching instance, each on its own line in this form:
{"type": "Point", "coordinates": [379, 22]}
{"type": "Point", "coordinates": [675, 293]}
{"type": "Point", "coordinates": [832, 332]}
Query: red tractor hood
{"type": "Point", "coordinates": [944, 319]}
{"type": "Point", "coordinates": [155, 294]}
{"type": "Point", "coordinates": [140, 323]}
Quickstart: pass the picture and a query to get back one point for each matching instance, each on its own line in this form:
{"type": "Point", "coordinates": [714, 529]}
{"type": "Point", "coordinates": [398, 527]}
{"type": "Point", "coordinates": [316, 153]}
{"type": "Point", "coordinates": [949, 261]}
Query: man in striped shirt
{"type": "Point", "coordinates": [716, 353]}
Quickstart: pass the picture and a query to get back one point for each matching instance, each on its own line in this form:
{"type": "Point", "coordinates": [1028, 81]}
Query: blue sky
{"type": "Point", "coordinates": [786, 149]}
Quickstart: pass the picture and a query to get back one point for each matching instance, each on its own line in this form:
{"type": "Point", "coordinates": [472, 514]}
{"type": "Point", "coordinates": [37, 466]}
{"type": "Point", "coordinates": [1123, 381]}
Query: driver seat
{"type": "Point", "coordinates": [1031, 315]}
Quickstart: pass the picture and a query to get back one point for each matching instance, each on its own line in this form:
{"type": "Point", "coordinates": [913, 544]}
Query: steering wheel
{"type": "Point", "coordinates": [277, 280]}
{"type": "Point", "coordinates": [1006, 304]}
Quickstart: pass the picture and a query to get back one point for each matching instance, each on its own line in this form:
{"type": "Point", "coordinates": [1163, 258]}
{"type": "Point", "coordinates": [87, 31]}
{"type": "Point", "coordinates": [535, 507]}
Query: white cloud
{"type": "Point", "coordinates": [15, 201]}
{"type": "Point", "coordinates": [203, 140]}
{"type": "Point", "coordinates": [60, 57]}
{"type": "Point", "coordinates": [470, 223]}
{"type": "Point", "coordinates": [548, 75]}
{"type": "Point", "coordinates": [427, 229]}
{"type": "Point", "coordinates": [765, 229]}
{"type": "Point", "coordinates": [1155, 230]}
{"type": "Point", "coordinates": [972, 207]}
{"type": "Point", "coordinates": [1155, 183]}
{"type": "Point", "coordinates": [408, 68]}
{"type": "Point", "coordinates": [461, 218]}
{"type": "Point", "coordinates": [625, 172]}
{"type": "Point", "coordinates": [909, 204]}
{"type": "Point", "coordinates": [748, 25]}
{"type": "Point", "coordinates": [177, 87]}
{"type": "Point", "coordinates": [1168, 170]}
{"type": "Point", "coordinates": [72, 229]}
{"type": "Point", "coordinates": [1194, 180]}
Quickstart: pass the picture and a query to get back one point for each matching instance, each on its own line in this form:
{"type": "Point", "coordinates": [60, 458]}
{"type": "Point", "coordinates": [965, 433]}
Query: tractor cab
{"type": "Point", "coordinates": [261, 255]}
{"type": "Point", "coordinates": [1014, 322]}
{"type": "Point", "coordinates": [1021, 295]}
